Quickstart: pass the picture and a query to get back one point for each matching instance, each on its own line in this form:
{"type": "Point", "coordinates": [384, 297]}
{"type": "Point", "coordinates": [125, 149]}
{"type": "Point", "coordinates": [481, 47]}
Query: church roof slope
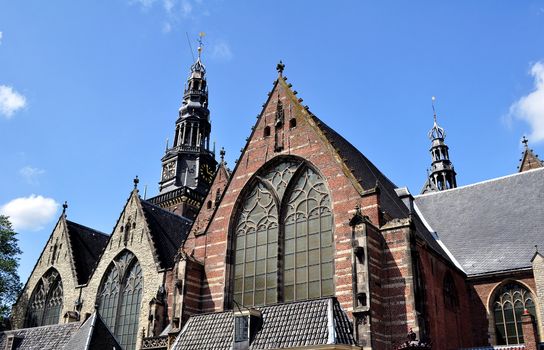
{"type": "Point", "coordinates": [168, 231]}
{"type": "Point", "coordinates": [46, 337]}
{"type": "Point", "coordinates": [93, 335]}
{"type": "Point", "coordinates": [490, 226]}
{"type": "Point", "coordinates": [369, 176]}
{"type": "Point", "coordinates": [87, 245]}
{"type": "Point", "coordinates": [289, 325]}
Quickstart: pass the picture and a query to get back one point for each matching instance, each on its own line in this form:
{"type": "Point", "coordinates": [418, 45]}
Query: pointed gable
{"type": "Point", "coordinates": [529, 161]}
{"type": "Point", "coordinates": [93, 335]}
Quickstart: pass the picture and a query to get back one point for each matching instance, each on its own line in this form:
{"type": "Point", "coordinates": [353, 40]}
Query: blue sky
{"type": "Point", "coordinates": [89, 90]}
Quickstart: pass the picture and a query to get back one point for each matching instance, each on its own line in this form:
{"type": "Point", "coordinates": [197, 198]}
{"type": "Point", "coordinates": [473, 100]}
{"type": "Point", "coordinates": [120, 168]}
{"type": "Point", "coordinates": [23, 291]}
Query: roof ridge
{"type": "Point", "coordinates": [480, 183]}
{"type": "Point", "coordinates": [87, 227]}
{"type": "Point", "coordinates": [168, 212]}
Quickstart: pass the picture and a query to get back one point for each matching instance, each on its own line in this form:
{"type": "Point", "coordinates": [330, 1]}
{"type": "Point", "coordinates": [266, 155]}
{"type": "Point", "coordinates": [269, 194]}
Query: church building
{"type": "Point", "coordinates": [304, 244]}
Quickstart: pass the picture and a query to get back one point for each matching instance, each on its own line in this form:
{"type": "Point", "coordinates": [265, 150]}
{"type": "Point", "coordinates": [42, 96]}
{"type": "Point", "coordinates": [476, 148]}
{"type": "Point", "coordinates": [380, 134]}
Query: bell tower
{"type": "Point", "coordinates": [189, 165]}
{"type": "Point", "coordinates": [441, 176]}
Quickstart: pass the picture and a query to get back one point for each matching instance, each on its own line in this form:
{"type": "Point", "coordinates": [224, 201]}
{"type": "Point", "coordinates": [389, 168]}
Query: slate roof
{"type": "Point", "coordinates": [368, 176]}
{"type": "Point", "coordinates": [288, 325]}
{"type": "Point", "coordinates": [46, 337]}
{"type": "Point", "coordinates": [93, 335]}
{"type": "Point", "coordinates": [168, 231]}
{"type": "Point", "coordinates": [490, 226]}
{"type": "Point", "coordinates": [87, 246]}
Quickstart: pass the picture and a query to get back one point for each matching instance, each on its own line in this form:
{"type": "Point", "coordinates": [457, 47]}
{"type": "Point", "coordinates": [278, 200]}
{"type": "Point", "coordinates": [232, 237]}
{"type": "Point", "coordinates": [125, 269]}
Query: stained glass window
{"type": "Point", "coordinates": [289, 257]}
{"type": "Point", "coordinates": [120, 296]}
{"type": "Point", "coordinates": [46, 301]}
{"type": "Point", "coordinates": [510, 302]}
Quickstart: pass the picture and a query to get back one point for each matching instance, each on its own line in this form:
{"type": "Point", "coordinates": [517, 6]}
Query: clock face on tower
{"type": "Point", "coordinates": [207, 173]}
{"type": "Point", "coordinates": [169, 170]}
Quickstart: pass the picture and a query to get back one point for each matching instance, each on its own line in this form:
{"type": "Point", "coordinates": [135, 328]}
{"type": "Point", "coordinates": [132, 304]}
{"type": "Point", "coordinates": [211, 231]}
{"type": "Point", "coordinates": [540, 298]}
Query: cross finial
{"type": "Point", "coordinates": [222, 154]}
{"type": "Point", "coordinates": [64, 207]}
{"type": "Point", "coordinates": [200, 36]}
{"type": "Point", "coordinates": [136, 181]}
{"type": "Point", "coordinates": [536, 248]}
{"type": "Point", "coordinates": [525, 142]}
{"type": "Point", "coordinates": [434, 111]}
{"type": "Point", "coordinates": [280, 67]}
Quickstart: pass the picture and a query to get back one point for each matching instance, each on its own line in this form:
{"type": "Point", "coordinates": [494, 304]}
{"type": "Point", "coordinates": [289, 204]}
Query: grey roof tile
{"type": "Point", "coordinates": [46, 337]}
{"type": "Point", "coordinates": [490, 226]}
{"type": "Point", "coordinates": [285, 325]}
{"type": "Point", "coordinates": [168, 231]}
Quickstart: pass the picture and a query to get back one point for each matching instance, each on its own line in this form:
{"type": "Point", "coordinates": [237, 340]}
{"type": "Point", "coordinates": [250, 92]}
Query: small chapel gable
{"type": "Point", "coordinates": [65, 263]}
{"type": "Point", "coordinates": [529, 160]}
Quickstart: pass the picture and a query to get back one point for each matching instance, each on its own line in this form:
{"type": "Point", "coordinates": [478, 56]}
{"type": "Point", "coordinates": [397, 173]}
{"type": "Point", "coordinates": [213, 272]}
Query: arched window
{"type": "Point", "coordinates": [45, 303]}
{"type": "Point", "coordinates": [119, 298]}
{"type": "Point", "coordinates": [283, 237]}
{"type": "Point", "coordinates": [508, 306]}
{"type": "Point", "coordinates": [451, 299]}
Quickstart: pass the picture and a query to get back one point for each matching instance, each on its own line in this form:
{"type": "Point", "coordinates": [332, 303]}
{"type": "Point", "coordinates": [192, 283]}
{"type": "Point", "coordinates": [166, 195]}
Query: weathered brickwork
{"type": "Point", "coordinates": [538, 273]}
{"type": "Point", "coordinates": [303, 141]}
{"type": "Point", "coordinates": [483, 290]}
{"type": "Point", "coordinates": [63, 263]}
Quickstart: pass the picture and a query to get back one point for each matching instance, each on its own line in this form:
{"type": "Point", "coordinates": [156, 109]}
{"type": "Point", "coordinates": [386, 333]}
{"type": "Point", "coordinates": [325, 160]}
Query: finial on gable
{"type": "Point", "coordinates": [136, 181]}
{"type": "Point", "coordinates": [280, 67]}
{"type": "Point", "coordinates": [525, 142]}
{"type": "Point", "coordinates": [222, 154]}
{"type": "Point", "coordinates": [64, 207]}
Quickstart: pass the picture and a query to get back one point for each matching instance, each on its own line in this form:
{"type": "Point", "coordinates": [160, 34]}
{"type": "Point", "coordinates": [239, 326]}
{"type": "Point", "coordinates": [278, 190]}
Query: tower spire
{"type": "Point", "coordinates": [188, 161]}
{"type": "Point", "coordinates": [441, 176]}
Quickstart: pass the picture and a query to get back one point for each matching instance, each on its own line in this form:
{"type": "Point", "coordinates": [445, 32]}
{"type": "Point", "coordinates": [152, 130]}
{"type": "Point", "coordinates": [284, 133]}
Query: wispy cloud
{"type": "Point", "coordinates": [31, 174]}
{"type": "Point", "coordinates": [1, 37]}
{"type": "Point", "coordinates": [221, 50]}
{"type": "Point", "coordinates": [30, 213]}
{"type": "Point", "coordinates": [10, 101]}
{"type": "Point", "coordinates": [530, 108]}
{"type": "Point", "coordinates": [175, 11]}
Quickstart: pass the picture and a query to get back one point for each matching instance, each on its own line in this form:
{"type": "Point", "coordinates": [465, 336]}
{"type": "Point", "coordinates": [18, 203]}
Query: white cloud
{"type": "Point", "coordinates": [166, 27]}
{"type": "Point", "coordinates": [30, 213]}
{"type": "Point", "coordinates": [144, 3]}
{"type": "Point", "coordinates": [31, 174]}
{"type": "Point", "coordinates": [221, 50]}
{"type": "Point", "coordinates": [1, 36]}
{"type": "Point", "coordinates": [10, 101]}
{"type": "Point", "coordinates": [530, 108]}
{"type": "Point", "coordinates": [186, 8]}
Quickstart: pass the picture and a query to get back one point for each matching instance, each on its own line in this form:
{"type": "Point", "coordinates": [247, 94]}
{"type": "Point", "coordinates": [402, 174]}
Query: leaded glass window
{"type": "Point", "coordinates": [120, 296]}
{"type": "Point", "coordinates": [45, 303]}
{"type": "Point", "coordinates": [287, 257]}
{"type": "Point", "coordinates": [510, 302]}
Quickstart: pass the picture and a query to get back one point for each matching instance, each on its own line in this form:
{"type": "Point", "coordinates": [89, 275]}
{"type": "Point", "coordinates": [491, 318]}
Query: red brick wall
{"type": "Point", "coordinates": [304, 141]}
{"type": "Point", "coordinates": [481, 294]}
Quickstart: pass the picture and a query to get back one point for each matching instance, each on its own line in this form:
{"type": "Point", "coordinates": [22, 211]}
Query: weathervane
{"type": "Point", "coordinates": [200, 36]}
{"type": "Point", "coordinates": [434, 111]}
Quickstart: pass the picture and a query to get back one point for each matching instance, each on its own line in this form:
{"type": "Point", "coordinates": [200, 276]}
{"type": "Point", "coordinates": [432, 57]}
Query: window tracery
{"type": "Point", "coordinates": [119, 298]}
{"type": "Point", "coordinates": [289, 256]}
{"type": "Point", "coordinates": [510, 302]}
{"type": "Point", "coordinates": [46, 301]}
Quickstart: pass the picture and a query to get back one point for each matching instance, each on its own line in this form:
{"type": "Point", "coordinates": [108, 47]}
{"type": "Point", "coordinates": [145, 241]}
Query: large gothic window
{"type": "Point", "coordinates": [508, 306]}
{"type": "Point", "coordinates": [119, 298]}
{"type": "Point", "coordinates": [283, 237]}
{"type": "Point", "coordinates": [45, 303]}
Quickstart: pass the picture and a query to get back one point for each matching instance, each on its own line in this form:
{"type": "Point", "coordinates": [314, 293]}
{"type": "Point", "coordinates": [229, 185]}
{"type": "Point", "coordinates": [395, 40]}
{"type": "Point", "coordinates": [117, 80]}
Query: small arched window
{"type": "Point", "coordinates": [46, 301]}
{"type": "Point", "coordinates": [209, 205]}
{"type": "Point", "coordinates": [451, 299]}
{"type": "Point", "coordinates": [509, 303]}
{"type": "Point", "coordinates": [266, 131]}
{"type": "Point", "coordinates": [119, 298]}
{"type": "Point", "coordinates": [283, 237]}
